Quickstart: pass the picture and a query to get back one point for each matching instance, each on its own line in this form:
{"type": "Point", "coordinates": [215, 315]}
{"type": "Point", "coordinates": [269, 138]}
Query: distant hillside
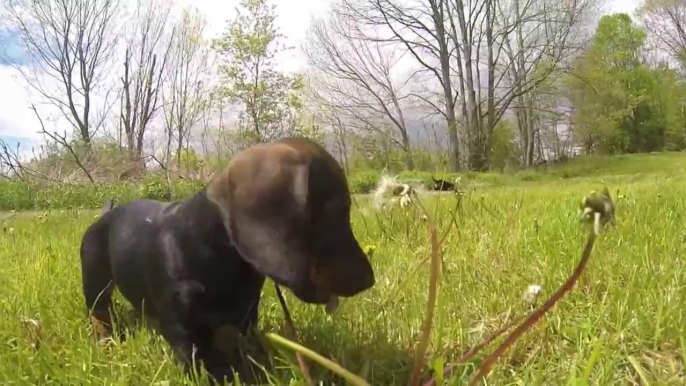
{"type": "Point", "coordinates": [670, 163]}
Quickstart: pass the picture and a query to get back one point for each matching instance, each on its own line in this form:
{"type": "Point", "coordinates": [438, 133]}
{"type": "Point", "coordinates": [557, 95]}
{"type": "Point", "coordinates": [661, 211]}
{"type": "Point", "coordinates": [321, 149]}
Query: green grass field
{"type": "Point", "coordinates": [623, 324]}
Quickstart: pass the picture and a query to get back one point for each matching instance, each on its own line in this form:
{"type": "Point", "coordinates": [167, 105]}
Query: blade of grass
{"type": "Point", "coordinates": [327, 363]}
{"type": "Point", "coordinates": [590, 363]}
{"type": "Point", "coordinates": [639, 369]}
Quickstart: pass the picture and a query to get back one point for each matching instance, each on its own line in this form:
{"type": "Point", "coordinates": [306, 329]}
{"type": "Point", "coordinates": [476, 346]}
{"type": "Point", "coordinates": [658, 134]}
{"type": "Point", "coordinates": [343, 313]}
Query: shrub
{"type": "Point", "coordinates": [363, 182]}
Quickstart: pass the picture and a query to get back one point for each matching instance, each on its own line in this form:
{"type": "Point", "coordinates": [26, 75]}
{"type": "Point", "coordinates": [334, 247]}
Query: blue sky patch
{"type": "Point", "coordinates": [12, 51]}
{"type": "Point", "coordinates": [12, 141]}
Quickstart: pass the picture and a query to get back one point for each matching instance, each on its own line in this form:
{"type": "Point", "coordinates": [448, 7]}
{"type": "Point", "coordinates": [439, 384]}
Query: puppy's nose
{"type": "Point", "coordinates": [352, 273]}
{"type": "Point", "coordinates": [367, 280]}
{"type": "Point", "coordinates": [354, 285]}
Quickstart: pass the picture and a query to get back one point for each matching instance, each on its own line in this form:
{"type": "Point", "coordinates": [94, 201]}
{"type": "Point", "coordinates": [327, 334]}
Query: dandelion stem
{"type": "Point", "coordinates": [538, 314]}
{"type": "Point", "coordinates": [431, 302]}
{"type": "Point", "coordinates": [475, 349]}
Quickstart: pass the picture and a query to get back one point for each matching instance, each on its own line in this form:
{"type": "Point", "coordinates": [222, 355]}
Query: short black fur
{"type": "Point", "coordinates": [175, 264]}
{"type": "Point", "coordinates": [442, 185]}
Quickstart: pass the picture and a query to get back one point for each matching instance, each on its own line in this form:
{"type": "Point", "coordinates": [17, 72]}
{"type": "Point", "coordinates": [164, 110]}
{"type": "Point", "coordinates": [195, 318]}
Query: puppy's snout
{"type": "Point", "coordinates": [354, 284]}
{"type": "Point", "coordinates": [352, 274]}
{"type": "Point", "coordinates": [369, 280]}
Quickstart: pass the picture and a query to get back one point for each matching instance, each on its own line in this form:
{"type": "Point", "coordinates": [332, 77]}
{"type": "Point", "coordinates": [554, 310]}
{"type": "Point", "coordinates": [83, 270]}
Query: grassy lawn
{"type": "Point", "coordinates": [624, 323]}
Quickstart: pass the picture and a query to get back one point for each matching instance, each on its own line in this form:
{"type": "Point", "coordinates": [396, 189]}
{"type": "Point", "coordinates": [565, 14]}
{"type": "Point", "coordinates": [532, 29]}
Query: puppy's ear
{"type": "Point", "coordinates": [217, 191]}
{"type": "Point", "coordinates": [262, 197]}
{"type": "Point", "coordinates": [606, 192]}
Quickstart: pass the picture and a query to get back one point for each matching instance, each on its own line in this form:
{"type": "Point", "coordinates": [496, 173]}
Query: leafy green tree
{"type": "Point", "coordinates": [620, 103]}
{"type": "Point", "coordinates": [668, 104]}
{"type": "Point", "coordinates": [269, 98]}
{"type": "Point", "coordinates": [504, 152]}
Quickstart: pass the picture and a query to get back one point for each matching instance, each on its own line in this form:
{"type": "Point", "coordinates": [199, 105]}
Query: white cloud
{"type": "Point", "coordinates": [15, 117]}
{"type": "Point", "coordinates": [625, 6]}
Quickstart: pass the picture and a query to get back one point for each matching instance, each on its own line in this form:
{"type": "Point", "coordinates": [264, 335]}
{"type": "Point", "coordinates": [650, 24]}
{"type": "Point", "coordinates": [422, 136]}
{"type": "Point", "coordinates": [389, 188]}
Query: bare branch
{"type": "Point", "coordinates": [186, 82]}
{"type": "Point", "coordinates": [148, 50]}
{"type": "Point", "coordinates": [358, 77]}
{"type": "Point", "coordinates": [70, 43]}
{"type": "Point", "coordinates": [666, 20]}
{"type": "Point", "coordinates": [62, 140]}
{"type": "Point", "coordinates": [422, 28]}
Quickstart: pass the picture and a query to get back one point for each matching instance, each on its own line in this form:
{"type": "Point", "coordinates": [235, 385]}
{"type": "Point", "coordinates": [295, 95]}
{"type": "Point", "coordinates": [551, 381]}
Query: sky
{"type": "Point", "coordinates": [18, 123]}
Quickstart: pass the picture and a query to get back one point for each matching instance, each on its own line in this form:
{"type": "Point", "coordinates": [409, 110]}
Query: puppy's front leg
{"type": "Point", "coordinates": [196, 352]}
{"type": "Point", "coordinates": [186, 328]}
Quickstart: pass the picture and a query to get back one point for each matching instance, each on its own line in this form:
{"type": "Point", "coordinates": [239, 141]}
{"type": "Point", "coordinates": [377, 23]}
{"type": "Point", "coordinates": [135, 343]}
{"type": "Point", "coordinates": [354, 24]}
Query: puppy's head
{"type": "Point", "coordinates": [286, 207]}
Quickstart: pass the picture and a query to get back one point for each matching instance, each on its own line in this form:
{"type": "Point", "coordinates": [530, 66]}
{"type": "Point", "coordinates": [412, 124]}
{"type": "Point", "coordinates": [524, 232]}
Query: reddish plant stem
{"type": "Point", "coordinates": [291, 331]}
{"type": "Point", "coordinates": [537, 314]}
{"type": "Point", "coordinates": [431, 302]}
{"type": "Point", "coordinates": [474, 350]}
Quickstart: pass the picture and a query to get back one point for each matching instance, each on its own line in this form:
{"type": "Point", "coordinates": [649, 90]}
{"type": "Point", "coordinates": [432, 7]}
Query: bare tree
{"type": "Point", "coordinates": [216, 138]}
{"type": "Point", "coordinates": [357, 79]}
{"type": "Point", "coordinates": [330, 118]}
{"type": "Point", "coordinates": [10, 163]}
{"type": "Point", "coordinates": [70, 44]}
{"type": "Point", "coordinates": [666, 20]}
{"type": "Point", "coordinates": [340, 133]}
{"type": "Point", "coordinates": [422, 28]}
{"type": "Point", "coordinates": [147, 52]}
{"type": "Point", "coordinates": [544, 35]}
{"type": "Point", "coordinates": [62, 140]}
{"type": "Point", "coordinates": [186, 83]}
{"type": "Point", "coordinates": [467, 38]}
{"type": "Point", "coordinates": [524, 43]}
{"type": "Point", "coordinates": [554, 132]}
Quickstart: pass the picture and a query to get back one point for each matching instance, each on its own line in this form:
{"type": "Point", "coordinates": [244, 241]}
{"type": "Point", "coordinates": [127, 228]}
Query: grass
{"type": "Point", "coordinates": [624, 324]}
{"type": "Point", "coordinates": [40, 195]}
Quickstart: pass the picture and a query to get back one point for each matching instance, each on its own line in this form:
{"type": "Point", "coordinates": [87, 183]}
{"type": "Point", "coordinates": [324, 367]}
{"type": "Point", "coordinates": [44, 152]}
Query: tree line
{"type": "Point", "coordinates": [397, 84]}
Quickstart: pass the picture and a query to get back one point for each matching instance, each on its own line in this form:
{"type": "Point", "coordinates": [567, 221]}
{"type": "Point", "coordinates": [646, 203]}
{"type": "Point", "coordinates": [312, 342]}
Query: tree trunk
{"type": "Point", "coordinates": [472, 118]}
{"type": "Point", "coordinates": [490, 122]}
{"type": "Point", "coordinates": [444, 54]}
{"type": "Point", "coordinates": [531, 137]}
{"type": "Point", "coordinates": [179, 147]}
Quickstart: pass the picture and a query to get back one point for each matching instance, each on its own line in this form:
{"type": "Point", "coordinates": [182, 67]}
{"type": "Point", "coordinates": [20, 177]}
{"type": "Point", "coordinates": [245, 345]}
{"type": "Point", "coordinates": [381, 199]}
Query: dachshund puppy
{"type": "Point", "coordinates": [279, 210]}
{"type": "Point", "coordinates": [442, 185]}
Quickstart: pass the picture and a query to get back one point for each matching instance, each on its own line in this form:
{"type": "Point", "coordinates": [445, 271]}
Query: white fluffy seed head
{"type": "Point", "coordinates": [531, 294]}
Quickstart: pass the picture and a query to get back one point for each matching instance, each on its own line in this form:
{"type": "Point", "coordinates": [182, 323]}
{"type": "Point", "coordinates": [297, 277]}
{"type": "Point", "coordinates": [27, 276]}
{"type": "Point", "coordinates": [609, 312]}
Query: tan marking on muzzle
{"type": "Point", "coordinates": [320, 277]}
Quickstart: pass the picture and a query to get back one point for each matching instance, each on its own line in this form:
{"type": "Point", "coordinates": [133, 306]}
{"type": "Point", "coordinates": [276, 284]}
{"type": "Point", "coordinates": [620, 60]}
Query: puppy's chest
{"type": "Point", "coordinates": [218, 269]}
{"type": "Point", "coordinates": [231, 288]}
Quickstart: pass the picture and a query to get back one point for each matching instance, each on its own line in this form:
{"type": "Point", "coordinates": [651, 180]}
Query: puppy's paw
{"type": "Point", "coordinates": [100, 329]}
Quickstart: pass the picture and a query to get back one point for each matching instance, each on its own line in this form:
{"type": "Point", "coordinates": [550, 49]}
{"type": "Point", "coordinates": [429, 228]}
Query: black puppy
{"type": "Point", "coordinates": [442, 185]}
{"type": "Point", "coordinates": [279, 210]}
